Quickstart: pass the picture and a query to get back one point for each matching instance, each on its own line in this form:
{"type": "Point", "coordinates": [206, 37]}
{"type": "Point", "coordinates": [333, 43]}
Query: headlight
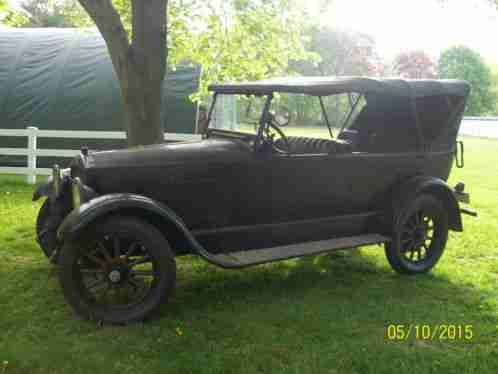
{"type": "Point", "coordinates": [76, 192]}
{"type": "Point", "coordinates": [81, 193]}
{"type": "Point", "coordinates": [56, 180]}
{"type": "Point", "coordinates": [57, 177]}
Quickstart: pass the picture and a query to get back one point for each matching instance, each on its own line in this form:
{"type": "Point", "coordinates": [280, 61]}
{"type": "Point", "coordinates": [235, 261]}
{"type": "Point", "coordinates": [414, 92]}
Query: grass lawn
{"type": "Point", "coordinates": [321, 315]}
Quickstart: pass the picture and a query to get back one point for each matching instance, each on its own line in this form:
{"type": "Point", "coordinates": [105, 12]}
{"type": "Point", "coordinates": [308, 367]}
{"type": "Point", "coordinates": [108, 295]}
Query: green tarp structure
{"type": "Point", "coordinates": [62, 79]}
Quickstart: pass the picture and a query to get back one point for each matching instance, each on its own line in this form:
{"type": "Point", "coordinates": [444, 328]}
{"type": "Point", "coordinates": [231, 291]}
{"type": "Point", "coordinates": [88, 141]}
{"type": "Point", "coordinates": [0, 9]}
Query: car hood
{"type": "Point", "coordinates": [208, 151]}
{"type": "Point", "coordinates": [212, 150]}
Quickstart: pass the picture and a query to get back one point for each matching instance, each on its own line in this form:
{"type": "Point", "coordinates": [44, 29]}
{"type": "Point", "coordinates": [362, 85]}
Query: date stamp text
{"type": "Point", "coordinates": [442, 332]}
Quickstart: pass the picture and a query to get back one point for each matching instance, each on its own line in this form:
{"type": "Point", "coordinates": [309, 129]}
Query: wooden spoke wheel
{"type": "Point", "coordinates": [117, 272]}
{"type": "Point", "coordinates": [420, 238]}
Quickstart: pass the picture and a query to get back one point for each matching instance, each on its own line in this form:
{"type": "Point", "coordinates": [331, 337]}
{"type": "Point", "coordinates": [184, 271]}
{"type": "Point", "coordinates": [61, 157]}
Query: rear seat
{"type": "Point", "coordinates": [303, 145]}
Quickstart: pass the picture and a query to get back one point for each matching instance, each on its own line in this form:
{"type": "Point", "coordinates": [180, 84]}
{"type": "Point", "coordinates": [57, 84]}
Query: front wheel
{"type": "Point", "coordinates": [420, 236]}
{"type": "Point", "coordinates": [119, 271]}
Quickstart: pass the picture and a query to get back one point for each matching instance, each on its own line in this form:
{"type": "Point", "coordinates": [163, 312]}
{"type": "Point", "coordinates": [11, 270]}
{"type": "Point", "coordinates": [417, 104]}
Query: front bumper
{"type": "Point", "coordinates": [61, 186]}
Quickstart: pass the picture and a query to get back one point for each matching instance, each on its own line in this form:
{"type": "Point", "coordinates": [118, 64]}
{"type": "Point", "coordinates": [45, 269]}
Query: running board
{"type": "Point", "coordinates": [237, 260]}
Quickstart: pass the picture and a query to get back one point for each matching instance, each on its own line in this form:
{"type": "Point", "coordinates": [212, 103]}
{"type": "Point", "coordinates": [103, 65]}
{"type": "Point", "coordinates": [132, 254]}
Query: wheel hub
{"type": "Point", "coordinates": [115, 276]}
{"type": "Point", "coordinates": [118, 274]}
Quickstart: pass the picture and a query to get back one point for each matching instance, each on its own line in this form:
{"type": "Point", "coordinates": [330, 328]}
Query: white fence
{"type": "Point", "coordinates": [32, 151]}
{"type": "Point", "coordinates": [471, 126]}
{"type": "Point", "coordinates": [483, 127]}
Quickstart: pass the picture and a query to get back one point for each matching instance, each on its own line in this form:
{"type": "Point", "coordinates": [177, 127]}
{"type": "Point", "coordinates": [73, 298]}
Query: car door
{"type": "Point", "coordinates": [282, 197]}
{"type": "Point", "coordinates": [304, 186]}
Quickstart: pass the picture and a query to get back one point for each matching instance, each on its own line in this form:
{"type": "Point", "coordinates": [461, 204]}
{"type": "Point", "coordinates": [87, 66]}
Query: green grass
{"type": "Point", "coordinates": [321, 315]}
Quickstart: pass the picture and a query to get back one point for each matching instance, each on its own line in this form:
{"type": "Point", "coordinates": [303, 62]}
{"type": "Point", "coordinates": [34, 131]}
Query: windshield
{"type": "Point", "coordinates": [297, 114]}
{"type": "Point", "coordinates": [238, 113]}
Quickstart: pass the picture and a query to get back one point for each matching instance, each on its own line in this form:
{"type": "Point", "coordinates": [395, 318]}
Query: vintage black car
{"type": "Point", "coordinates": [269, 181]}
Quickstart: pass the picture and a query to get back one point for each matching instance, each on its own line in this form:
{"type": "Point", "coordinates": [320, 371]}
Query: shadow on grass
{"type": "Point", "coordinates": [347, 284]}
{"type": "Point", "coordinates": [343, 278]}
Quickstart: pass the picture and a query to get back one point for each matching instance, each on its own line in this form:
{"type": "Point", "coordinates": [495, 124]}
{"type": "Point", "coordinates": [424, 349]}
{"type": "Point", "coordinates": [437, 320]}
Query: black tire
{"type": "Point", "coordinates": [112, 263]}
{"type": "Point", "coordinates": [45, 236]}
{"type": "Point", "coordinates": [420, 237]}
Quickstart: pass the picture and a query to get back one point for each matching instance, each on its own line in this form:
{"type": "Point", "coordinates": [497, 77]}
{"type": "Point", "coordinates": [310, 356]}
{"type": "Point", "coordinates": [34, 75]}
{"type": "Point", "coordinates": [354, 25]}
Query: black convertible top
{"type": "Point", "coordinates": [324, 86]}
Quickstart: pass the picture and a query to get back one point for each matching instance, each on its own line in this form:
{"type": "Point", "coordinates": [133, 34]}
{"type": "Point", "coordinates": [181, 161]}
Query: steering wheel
{"type": "Point", "coordinates": [270, 138]}
{"type": "Point", "coordinates": [283, 117]}
{"type": "Point", "coordinates": [283, 148]}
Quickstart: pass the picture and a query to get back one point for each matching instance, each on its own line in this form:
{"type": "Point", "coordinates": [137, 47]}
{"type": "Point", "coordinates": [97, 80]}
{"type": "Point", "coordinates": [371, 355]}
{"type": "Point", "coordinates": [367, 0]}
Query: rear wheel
{"type": "Point", "coordinates": [45, 235]}
{"type": "Point", "coordinates": [118, 271]}
{"type": "Point", "coordinates": [420, 237]}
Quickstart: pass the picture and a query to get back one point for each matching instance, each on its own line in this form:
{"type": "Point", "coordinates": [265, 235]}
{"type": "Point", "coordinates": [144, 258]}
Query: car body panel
{"type": "Point", "coordinates": [225, 193]}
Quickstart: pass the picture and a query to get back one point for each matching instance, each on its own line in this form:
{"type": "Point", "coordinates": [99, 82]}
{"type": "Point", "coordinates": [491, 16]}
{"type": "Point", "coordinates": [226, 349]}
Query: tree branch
{"type": "Point", "coordinates": [110, 26]}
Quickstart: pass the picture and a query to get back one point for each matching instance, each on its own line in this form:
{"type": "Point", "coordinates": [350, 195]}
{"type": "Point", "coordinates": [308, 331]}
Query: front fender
{"type": "Point", "coordinates": [99, 207]}
{"type": "Point", "coordinates": [46, 189]}
{"type": "Point", "coordinates": [410, 189]}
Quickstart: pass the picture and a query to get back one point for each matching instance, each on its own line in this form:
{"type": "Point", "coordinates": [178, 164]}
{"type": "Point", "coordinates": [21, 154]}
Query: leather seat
{"type": "Point", "coordinates": [304, 145]}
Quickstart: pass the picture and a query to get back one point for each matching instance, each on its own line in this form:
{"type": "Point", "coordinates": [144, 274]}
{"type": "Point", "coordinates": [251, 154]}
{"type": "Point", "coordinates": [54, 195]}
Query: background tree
{"type": "Point", "coordinates": [139, 61]}
{"type": "Point", "coordinates": [461, 62]}
{"type": "Point", "coordinates": [340, 53]}
{"type": "Point", "coordinates": [240, 40]}
{"type": "Point", "coordinates": [46, 13]}
{"type": "Point", "coordinates": [414, 65]}
{"type": "Point", "coordinates": [334, 53]}
{"type": "Point", "coordinates": [3, 6]}
{"type": "Point", "coordinates": [233, 40]}
{"type": "Point", "coordinates": [494, 85]}
{"type": "Point", "coordinates": [10, 16]}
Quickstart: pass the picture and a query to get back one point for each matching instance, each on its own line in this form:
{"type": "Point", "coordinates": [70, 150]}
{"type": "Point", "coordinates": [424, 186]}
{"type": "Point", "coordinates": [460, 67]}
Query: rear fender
{"type": "Point", "coordinates": [408, 191]}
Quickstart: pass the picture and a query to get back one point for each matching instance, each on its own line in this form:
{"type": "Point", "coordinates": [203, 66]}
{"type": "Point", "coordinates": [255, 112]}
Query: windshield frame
{"type": "Point", "coordinates": [351, 111]}
{"type": "Point", "coordinates": [262, 122]}
{"type": "Point", "coordinates": [265, 117]}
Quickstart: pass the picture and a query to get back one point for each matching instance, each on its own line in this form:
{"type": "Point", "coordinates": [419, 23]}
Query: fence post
{"type": "Point", "coordinates": [31, 177]}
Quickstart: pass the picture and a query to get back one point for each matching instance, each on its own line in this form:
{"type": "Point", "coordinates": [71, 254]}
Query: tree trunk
{"type": "Point", "coordinates": [142, 107]}
{"type": "Point", "coordinates": [140, 65]}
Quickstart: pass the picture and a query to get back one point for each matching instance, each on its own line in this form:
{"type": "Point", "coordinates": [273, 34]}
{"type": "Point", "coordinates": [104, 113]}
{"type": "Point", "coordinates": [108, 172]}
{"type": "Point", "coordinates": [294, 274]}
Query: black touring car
{"type": "Point", "coordinates": [286, 168]}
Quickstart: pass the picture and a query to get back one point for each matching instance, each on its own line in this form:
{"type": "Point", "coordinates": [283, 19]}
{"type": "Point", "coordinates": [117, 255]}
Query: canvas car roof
{"type": "Point", "coordinates": [324, 86]}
